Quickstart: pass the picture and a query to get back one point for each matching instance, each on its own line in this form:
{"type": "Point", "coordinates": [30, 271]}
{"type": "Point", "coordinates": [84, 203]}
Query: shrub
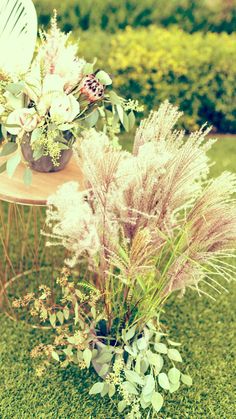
{"type": "Point", "coordinates": [195, 71]}
{"type": "Point", "coordinates": [110, 15]}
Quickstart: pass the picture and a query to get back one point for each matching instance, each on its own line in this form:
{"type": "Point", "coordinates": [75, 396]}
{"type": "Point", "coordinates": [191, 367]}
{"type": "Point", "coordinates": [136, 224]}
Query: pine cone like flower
{"type": "Point", "coordinates": [92, 88]}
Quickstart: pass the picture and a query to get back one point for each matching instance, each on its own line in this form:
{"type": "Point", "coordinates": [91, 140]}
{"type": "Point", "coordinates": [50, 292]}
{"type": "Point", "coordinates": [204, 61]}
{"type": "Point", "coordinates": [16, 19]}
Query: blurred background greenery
{"type": "Point", "coordinates": [182, 50]}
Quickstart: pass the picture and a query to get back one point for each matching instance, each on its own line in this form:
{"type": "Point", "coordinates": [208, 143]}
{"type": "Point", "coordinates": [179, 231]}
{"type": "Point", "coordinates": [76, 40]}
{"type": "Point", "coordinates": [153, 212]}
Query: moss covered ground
{"type": "Point", "coordinates": [205, 329]}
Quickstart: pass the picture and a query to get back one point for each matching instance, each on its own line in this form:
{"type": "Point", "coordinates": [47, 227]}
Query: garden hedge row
{"type": "Point", "coordinates": [197, 72]}
{"type": "Point", "coordinates": [110, 15]}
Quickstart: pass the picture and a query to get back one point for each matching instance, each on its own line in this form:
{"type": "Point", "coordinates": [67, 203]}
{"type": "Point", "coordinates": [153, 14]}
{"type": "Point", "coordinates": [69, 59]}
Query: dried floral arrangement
{"type": "Point", "coordinates": [144, 225]}
{"type": "Point", "coordinates": [43, 111]}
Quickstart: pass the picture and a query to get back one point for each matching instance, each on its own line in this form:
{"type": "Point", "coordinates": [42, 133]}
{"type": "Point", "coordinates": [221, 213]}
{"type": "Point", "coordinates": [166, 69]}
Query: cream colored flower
{"type": "Point", "coordinates": [22, 119]}
{"type": "Point", "coordinates": [64, 108]}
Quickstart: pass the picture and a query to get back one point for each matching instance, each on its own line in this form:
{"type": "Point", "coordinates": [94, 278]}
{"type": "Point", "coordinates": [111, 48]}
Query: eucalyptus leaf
{"type": "Point", "coordinates": [3, 167]}
{"type": "Point", "coordinates": [186, 379]}
{"type": "Point", "coordinates": [60, 317]}
{"type": "Point", "coordinates": [134, 377]}
{"type": "Point", "coordinates": [144, 364]}
{"type": "Point", "coordinates": [36, 135]}
{"type": "Point", "coordinates": [174, 355]}
{"type": "Point", "coordinates": [63, 146]}
{"type": "Point", "coordinates": [147, 397]}
{"type": "Point", "coordinates": [65, 127]}
{"type": "Point", "coordinates": [157, 401]}
{"type": "Point", "coordinates": [52, 319]}
{"type": "Point", "coordinates": [129, 350]}
{"type": "Point", "coordinates": [96, 388]}
{"type": "Point", "coordinates": [104, 370]}
{"type": "Point", "coordinates": [4, 132]}
{"type": "Point", "coordinates": [155, 359]}
{"type": "Point", "coordinates": [142, 344]}
{"type": "Point", "coordinates": [172, 343]}
{"type": "Point", "coordinates": [114, 98]}
{"type": "Point", "coordinates": [131, 117]}
{"type": "Point", "coordinates": [27, 176]}
{"type": "Point", "coordinates": [125, 122]}
{"type": "Point", "coordinates": [105, 389]}
{"type": "Point", "coordinates": [111, 390]}
{"type": "Point", "coordinates": [104, 78]}
{"type": "Point", "coordinates": [149, 384]}
{"type": "Point", "coordinates": [87, 355]}
{"type": "Point", "coordinates": [144, 404]}
{"type": "Point", "coordinates": [161, 348]}
{"type": "Point", "coordinates": [8, 148]}
{"type": "Point", "coordinates": [120, 113]}
{"type": "Point", "coordinates": [174, 375]}
{"type": "Point", "coordinates": [121, 406]}
{"type": "Point", "coordinates": [163, 381]}
{"type": "Point", "coordinates": [130, 333]}
{"type": "Point", "coordinates": [12, 164]}
{"type": "Point", "coordinates": [66, 313]}
{"type": "Point", "coordinates": [91, 119]}
{"type": "Point", "coordinates": [105, 356]}
{"type": "Point", "coordinates": [174, 387]}
{"type": "Point", "coordinates": [130, 388]}
{"type": "Point", "coordinates": [38, 153]}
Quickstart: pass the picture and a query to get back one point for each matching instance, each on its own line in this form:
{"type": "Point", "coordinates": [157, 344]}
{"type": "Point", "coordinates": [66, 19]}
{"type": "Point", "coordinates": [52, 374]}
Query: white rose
{"type": "Point", "coordinates": [64, 108]}
{"type": "Point", "coordinates": [24, 119]}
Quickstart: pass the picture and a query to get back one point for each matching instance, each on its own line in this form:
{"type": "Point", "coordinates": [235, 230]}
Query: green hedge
{"type": "Point", "coordinates": [197, 72]}
{"type": "Point", "coordinates": [110, 15]}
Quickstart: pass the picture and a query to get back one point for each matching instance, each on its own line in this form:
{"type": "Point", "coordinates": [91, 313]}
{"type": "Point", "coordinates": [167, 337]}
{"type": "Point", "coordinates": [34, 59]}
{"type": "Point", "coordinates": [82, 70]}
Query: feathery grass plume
{"type": "Point", "coordinates": [76, 230]}
{"type": "Point", "coordinates": [210, 233]}
{"type": "Point", "coordinates": [148, 222]}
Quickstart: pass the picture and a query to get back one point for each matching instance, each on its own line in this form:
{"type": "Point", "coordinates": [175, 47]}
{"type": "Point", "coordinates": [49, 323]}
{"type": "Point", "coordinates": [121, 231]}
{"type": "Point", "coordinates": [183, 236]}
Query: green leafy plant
{"type": "Point", "coordinates": [137, 366]}
{"type": "Point", "coordinates": [142, 226]}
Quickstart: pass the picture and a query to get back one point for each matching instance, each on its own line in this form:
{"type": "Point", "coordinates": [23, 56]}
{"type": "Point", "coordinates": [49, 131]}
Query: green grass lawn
{"type": "Point", "coordinates": [205, 328]}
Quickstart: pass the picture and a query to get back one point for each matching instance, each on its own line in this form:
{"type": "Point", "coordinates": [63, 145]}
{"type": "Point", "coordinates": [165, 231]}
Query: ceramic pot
{"type": "Point", "coordinates": [44, 163]}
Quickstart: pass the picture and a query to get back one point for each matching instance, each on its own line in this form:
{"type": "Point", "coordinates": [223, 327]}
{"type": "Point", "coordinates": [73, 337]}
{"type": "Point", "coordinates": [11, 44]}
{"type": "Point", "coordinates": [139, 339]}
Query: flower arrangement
{"type": "Point", "coordinates": [146, 224]}
{"type": "Point", "coordinates": [43, 111]}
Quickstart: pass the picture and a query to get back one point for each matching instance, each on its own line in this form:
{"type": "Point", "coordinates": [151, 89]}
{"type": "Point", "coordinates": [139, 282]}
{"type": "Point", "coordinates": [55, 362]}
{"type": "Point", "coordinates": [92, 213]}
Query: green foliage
{"type": "Point", "coordinates": [64, 393]}
{"type": "Point", "coordinates": [196, 71]}
{"type": "Point", "coordinates": [133, 368]}
{"type": "Point", "coordinates": [110, 15]}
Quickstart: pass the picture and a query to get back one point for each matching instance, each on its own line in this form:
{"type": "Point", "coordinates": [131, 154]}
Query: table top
{"type": "Point", "coordinates": [43, 184]}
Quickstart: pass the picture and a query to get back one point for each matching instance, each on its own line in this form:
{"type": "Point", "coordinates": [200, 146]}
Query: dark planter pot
{"type": "Point", "coordinates": [44, 163]}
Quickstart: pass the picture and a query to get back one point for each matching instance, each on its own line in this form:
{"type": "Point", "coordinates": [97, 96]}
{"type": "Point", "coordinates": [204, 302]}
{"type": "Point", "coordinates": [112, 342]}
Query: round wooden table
{"type": "Point", "coordinates": [43, 184]}
{"type": "Point", "coordinates": [22, 218]}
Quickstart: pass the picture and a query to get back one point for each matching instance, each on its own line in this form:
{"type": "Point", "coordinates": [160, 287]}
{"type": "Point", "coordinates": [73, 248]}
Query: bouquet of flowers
{"type": "Point", "coordinates": [147, 224]}
{"type": "Point", "coordinates": [43, 111]}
